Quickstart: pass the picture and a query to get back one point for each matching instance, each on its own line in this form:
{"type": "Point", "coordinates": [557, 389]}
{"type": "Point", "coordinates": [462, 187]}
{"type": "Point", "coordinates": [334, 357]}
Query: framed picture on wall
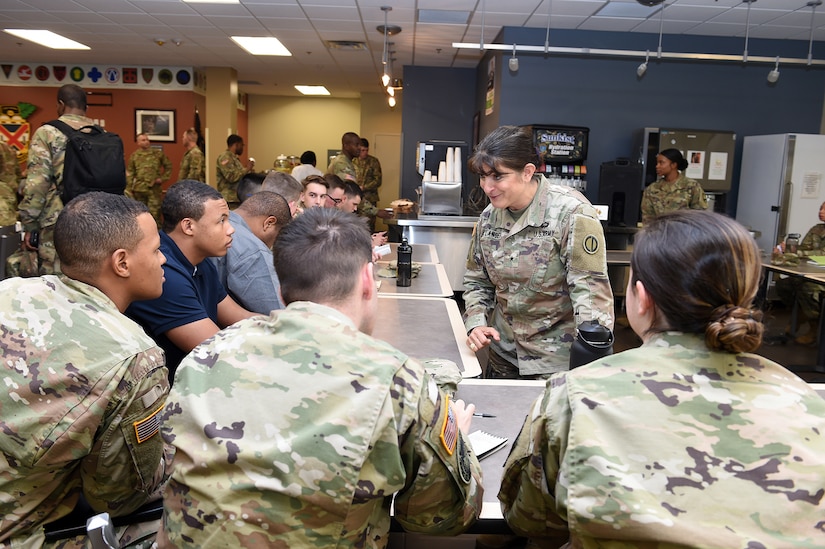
{"type": "Point", "coordinates": [158, 125]}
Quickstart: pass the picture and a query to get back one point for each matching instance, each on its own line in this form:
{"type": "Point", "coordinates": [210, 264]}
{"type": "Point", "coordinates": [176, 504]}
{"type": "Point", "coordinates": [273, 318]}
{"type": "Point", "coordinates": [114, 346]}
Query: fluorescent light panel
{"type": "Point", "coordinates": [261, 45]}
{"type": "Point", "coordinates": [312, 90]}
{"type": "Point", "coordinates": [48, 39]}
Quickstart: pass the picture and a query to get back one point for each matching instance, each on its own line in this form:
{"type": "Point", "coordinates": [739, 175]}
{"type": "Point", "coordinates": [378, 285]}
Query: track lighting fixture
{"type": "Point", "coordinates": [773, 76]}
{"type": "Point", "coordinates": [642, 69]}
{"type": "Point", "coordinates": [513, 63]}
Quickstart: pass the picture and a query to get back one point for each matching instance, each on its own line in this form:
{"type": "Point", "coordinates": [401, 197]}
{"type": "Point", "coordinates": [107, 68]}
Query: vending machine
{"type": "Point", "coordinates": [562, 152]}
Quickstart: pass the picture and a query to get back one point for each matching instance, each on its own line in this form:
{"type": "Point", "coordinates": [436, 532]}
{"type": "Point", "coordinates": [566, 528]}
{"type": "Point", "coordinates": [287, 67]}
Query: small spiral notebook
{"type": "Point", "coordinates": [485, 444]}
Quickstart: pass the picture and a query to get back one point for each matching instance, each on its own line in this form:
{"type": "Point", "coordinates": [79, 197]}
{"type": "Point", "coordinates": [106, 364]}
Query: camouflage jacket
{"type": "Point", "coordinates": [230, 171]}
{"type": "Point", "coordinates": [672, 445]}
{"type": "Point", "coordinates": [814, 241]}
{"type": "Point", "coordinates": [661, 197]}
{"type": "Point", "coordinates": [343, 167]}
{"type": "Point", "coordinates": [297, 430]}
{"type": "Point", "coordinates": [193, 166]}
{"type": "Point", "coordinates": [145, 167]}
{"type": "Point", "coordinates": [368, 175]}
{"type": "Point", "coordinates": [536, 278]}
{"type": "Point", "coordinates": [10, 176]}
{"type": "Point", "coordinates": [84, 386]}
{"type": "Point", "coordinates": [41, 201]}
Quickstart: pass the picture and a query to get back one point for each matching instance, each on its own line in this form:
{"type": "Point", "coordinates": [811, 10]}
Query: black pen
{"type": "Point", "coordinates": [478, 414]}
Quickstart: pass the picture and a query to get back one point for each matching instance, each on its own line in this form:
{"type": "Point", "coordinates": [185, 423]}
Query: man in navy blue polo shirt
{"type": "Point", "coordinates": [194, 305]}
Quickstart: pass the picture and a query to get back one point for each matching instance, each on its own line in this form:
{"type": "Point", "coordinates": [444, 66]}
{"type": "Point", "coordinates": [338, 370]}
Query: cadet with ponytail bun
{"type": "Point", "coordinates": [690, 440]}
{"type": "Point", "coordinates": [673, 190]}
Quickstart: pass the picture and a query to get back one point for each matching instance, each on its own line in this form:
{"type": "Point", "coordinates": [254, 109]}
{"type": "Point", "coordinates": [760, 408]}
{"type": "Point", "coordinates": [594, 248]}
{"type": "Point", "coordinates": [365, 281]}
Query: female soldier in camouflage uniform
{"type": "Point", "coordinates": [690, 440]}
{"type": "Point", "coordinates": [673, 191]}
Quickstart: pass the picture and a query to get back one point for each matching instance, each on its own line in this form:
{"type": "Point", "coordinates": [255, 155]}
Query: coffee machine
{"type": "Point", "coordinates": [443, 169]}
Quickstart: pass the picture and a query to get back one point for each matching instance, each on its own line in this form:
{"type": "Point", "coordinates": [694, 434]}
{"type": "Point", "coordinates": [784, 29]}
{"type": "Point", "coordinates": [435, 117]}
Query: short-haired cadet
{"type": "Point", "coordinates": [83, 384]}
{"type": "Point", "coordinates": [300, 429]}
{"type": "Point", "coordinates": [194, 304]}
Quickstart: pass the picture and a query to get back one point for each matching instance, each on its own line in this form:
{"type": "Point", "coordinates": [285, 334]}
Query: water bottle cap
{"type": "Point", "coordinates": [595, 334]}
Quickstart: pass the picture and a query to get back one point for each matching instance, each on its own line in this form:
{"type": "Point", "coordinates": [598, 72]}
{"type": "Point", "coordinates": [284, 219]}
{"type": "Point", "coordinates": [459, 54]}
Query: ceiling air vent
{"type": "Point", "coordinates": [346, 45]}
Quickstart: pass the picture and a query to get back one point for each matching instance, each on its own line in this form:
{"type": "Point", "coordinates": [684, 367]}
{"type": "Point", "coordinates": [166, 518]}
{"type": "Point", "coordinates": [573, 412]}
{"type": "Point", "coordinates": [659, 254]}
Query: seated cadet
{"type": "Point", "coordinates": [194, 304]}
{"type": "Point", "coordinates": [285, 185]}
{"type": "Point", "coordinates": [335, 191]}
{"type": "Point", "coordinates": [315, 192]}
{"type": "Point", "coordinates": [796, 288]}
{"type": "Point", "coordinates": [691, 440]}
{"type": "Point", "coordinates": [250, 184]}
{"type": "Point", "coordinates": [83, 383]}
{"type": "Point", "coordinates": [298, 429]}
{"type": "Point", "coordinates": [247, 271]}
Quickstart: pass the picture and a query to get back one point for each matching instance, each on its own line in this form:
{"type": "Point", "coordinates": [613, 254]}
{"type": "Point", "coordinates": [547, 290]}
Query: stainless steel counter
{"type": "Point", "coordinates": [431, 281]}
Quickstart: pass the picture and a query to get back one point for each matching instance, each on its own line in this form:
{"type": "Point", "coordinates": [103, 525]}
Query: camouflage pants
{"type": "Point", "coordinates": [152, 198]}
{"type": "Point", "coordinates": [804, 292]}
{"type": "Point", "coordinates": [49, 262]}
{"type": "Point", "coordinates": [500, 368]}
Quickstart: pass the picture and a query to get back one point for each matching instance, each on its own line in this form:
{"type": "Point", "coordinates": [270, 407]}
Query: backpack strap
{"type": "Point", "coordinates": [62, 126]}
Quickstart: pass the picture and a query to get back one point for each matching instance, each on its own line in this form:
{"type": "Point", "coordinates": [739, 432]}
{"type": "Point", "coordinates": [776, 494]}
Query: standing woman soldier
{"type": "Point", "coordinates": [672, 191]}
{"type": "Point", "coordinates": [536, 267]}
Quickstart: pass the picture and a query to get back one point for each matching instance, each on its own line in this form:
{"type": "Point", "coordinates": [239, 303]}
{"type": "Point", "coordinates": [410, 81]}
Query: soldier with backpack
{"type": "Point", "coordinates": [92, 158]}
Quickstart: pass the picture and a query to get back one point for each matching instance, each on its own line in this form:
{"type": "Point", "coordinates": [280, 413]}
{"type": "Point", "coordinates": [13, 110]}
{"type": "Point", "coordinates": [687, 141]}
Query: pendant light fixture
{"type": "Point", "coordinates": [387, 30]}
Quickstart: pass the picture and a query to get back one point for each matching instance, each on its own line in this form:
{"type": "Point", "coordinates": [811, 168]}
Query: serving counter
{"type": "Point", "coordinates": [450, 234]}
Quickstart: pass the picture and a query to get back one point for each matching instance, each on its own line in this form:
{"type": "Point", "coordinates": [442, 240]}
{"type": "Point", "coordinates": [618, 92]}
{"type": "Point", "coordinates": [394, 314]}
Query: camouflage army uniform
{"type": "Point", "coordinates": [295, 430]}
{"type": "Point", "coordinates": [368, 176]}
{"type": "Point", "coordinates": [662, 197]}
{"type": "Point", "coordinates": [10, 176]}
{"type": "Point", "coordinates": [41, 203]}
{"type": "Point", "coordinates": [230, 171]}
{"type": "Point", "coordinates": [84, 386]}
{"type": "Point", "coordinates": [145, 167]}
{"type": "Point", "coordinates": [672, 445]}
{"type": "Point", "coordinates": [343, 167]}
{"type": "Point", "coordinates": [193, 165]}
{"type": "Point", "coordinates": [536, 278]}
{"type": "Point", "coordinates": [796, 288]}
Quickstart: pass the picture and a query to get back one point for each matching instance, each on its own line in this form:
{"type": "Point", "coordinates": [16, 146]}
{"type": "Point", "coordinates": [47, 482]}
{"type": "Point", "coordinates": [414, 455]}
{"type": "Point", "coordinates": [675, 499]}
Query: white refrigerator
{"type": "Point", "coordinates": [781, 185]}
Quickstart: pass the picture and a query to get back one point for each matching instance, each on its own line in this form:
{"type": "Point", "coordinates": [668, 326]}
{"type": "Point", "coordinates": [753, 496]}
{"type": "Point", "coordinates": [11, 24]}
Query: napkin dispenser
{"type": "Point", "coordinates": [440, 197]}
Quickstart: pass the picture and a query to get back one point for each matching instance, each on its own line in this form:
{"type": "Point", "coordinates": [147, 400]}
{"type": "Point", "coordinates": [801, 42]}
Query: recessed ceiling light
{"type": "Point", "coordinates": [48, 39]}
{"type": "Point", "coordinates": [261, 45]}
{"type": "Point", "coordinates": [312, 90]}
{"type": "Point", "coordinates": [444, 17]}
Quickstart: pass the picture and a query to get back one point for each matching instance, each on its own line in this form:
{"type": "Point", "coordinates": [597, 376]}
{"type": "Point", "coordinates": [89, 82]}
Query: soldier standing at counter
{"type": "Point", "coordinates": [192, 165]}
{"type": "Point", "coordinates": [230, 170]}
{"type": "Point", "coordinates": [537, 265]}
{"type": "Point", "coordinates": [299, 428]}
{"type": "Point", "coordinates": [147, 171]}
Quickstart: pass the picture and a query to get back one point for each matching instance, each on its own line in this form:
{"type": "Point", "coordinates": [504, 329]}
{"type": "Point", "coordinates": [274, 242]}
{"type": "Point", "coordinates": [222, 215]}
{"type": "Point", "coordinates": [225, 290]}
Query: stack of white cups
{"type": "Point", "coordinates": [449, 170]}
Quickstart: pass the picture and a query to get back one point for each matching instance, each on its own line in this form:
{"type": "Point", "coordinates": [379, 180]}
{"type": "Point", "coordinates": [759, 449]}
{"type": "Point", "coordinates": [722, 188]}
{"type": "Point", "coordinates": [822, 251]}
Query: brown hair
{"type": "Point", "coordinates": [506, 147]}
{"type": "Point", "coordinates": [702, 270]}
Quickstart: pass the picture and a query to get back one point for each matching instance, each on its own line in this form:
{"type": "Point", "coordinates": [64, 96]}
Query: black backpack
{"type": "Point", "coordinates": [93, 162]}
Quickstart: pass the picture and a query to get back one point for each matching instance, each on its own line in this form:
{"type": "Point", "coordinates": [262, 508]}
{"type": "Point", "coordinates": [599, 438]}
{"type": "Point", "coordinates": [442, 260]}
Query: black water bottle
{"type": "Point", "coordinates": [404, 270]}
{"type": "Point", "coordinates": [592, 341]}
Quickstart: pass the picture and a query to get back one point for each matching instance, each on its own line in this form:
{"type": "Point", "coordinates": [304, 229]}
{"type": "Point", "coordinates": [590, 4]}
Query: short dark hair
{"type": "Point", "coordinates": [350, 137]}
{"type": "Point", "coordinates": [232, 139]}
{"type": "Point", "coordinates": [508, 147]}
{"type": "Point", "coordinates": [352, 189]}
{"type": "Point", "coordinates": [319, 179]}
{"type": "Point", "coordinates": [250, 184]}
{"type": "Point", "coordinates": [283, 184]}
{"type": "Point", "coordinates": [267, 203]}
{"type": "Point", "coordinates": [186, 198]}
{"type": "Point", "coordinates": [319, 255]}
{"type": "Point", "coordinates": [334, 182]}
{"type": "Point", "coordinates": [92, 226]}
{"type": "Point", "coordinates": [675, 156]}
{"type": "Point", "coordinates": [72, 96]}
{"type": "Point", "coordinates": [365, 143]}
{"type": "Point", "coordinates": [309, 158]}
{"type": "Point", "coordinates": [702, 270]}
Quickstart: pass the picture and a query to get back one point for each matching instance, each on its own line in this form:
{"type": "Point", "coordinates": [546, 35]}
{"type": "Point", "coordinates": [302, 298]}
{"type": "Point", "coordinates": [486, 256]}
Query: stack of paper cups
{"type": "Point", "coordinates": [450, 169]}
{"type": "Point", "coordinates": [442, 171]}
{"type": "Point", "coordinates": [457, 165]}
{"type": "Point", "coordinates": [428, 176]}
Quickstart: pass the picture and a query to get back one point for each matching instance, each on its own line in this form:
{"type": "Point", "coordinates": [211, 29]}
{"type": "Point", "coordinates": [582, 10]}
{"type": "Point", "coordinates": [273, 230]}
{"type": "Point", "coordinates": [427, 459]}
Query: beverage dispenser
{"type": "Point", "coordinates": [443, 169]}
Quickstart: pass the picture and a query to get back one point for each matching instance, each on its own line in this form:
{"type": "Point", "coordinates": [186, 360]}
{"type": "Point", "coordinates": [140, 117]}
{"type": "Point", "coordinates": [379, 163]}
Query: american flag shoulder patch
{"type": "Point", "coordinates": [449, 430]}
{"type": "Point", "coordinates": [147, 428]}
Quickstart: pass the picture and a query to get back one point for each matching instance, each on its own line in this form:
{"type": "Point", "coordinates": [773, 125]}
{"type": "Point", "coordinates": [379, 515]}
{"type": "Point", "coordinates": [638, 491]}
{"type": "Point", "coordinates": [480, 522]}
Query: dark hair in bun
{"type": "Point", "coordinates": [675, 156]}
